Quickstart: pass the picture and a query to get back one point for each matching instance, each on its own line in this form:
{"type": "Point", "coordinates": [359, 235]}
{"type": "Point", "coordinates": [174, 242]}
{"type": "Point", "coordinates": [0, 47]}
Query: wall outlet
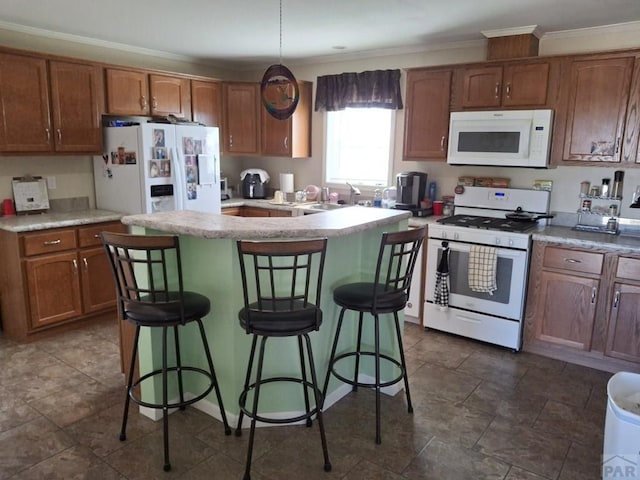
{"type": "Point", "coordinates": [51, 183]}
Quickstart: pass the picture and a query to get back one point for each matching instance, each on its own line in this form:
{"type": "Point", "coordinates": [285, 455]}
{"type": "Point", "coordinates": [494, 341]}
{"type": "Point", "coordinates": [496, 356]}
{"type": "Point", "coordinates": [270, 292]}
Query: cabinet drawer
{"type": "Point", "coordinates": [628, 268]}
{"type": "Point", "coordinates": [573, 260]}
{"type": "Point", "coordinates": [90, 236]}
{"type": "Point", "coordinates": [46, 242]}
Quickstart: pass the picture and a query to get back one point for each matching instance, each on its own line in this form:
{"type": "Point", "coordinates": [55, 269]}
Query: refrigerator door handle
{"type": "Point", "coordinates": [179, 187]}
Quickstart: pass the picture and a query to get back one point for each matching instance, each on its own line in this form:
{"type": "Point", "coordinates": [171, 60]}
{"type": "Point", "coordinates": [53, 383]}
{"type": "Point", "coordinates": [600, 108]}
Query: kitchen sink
{"type": "Point", "coordinates": [326, 206]}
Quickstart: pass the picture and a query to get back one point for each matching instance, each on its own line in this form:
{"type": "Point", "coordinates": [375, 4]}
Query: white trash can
{"type": "Point", "coordinates": [621, 454]}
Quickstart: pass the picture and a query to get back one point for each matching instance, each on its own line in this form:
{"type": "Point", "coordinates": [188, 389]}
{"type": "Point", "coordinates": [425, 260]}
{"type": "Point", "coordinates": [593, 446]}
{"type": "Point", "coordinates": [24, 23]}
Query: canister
{"type": "Point", "coordinates": [586, 205]}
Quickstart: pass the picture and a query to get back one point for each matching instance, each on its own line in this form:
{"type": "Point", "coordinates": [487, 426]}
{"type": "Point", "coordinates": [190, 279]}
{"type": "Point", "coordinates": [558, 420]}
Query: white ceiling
{"type": "Point", "coordinates": [247, 32]}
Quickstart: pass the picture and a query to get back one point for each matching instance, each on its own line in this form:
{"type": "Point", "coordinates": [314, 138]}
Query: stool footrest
{"type": "Point", "coordinates": [313, 411]}
{"type": "Point", "coordinates": [350, 381]}
{"type": "Point", "coordinates": [185, 403]}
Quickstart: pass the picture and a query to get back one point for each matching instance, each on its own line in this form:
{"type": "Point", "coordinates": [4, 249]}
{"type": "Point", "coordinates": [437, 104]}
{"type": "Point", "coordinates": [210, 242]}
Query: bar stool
{"type": "Point", "coordinates": [148, 275]}
{"type": "Point", "coordinates": [387, 293]}
{"type": "Point", "coordinates": [281, 283]}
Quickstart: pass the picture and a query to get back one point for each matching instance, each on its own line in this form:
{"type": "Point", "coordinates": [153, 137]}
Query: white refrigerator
{"type": "Point", "coordinates": [156, 167]}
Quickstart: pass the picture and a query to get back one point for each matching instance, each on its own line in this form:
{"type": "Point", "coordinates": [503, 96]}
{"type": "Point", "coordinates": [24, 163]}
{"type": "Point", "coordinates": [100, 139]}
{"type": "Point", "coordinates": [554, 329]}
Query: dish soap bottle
{"type": "Point", "coordinates": [377, 198]}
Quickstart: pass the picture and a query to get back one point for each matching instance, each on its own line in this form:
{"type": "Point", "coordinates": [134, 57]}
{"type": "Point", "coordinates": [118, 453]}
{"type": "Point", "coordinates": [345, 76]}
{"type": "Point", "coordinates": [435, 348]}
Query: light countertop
{"type": "Point", "coordinates": [334, 223]}
{"type": "Point", "coordinates": [43, 221]}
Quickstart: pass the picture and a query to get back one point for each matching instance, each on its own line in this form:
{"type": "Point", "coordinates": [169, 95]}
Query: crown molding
{"type": "Point", "coordinates": [505, 32]}
{"type": "Point", "coordinates": [598, 30]}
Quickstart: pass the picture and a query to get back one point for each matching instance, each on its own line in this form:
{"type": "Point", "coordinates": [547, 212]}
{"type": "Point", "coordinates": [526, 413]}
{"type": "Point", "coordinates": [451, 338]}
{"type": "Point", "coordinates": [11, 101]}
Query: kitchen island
{"type": "Point", "coordinates": [210, 266]}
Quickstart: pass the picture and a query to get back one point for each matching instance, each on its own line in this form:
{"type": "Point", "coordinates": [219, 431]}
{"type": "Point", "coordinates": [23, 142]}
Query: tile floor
{"type": "Point", "coordinates": [480, 412]}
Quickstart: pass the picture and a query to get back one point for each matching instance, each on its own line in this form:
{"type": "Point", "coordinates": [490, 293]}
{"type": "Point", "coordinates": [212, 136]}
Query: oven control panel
{"type": "Point", "coordinates": [520, 241]}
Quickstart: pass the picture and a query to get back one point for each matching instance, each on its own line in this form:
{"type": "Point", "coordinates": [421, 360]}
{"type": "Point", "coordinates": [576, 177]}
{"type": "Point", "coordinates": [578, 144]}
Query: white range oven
{"type": "Point", "coordinates": [479, 219]}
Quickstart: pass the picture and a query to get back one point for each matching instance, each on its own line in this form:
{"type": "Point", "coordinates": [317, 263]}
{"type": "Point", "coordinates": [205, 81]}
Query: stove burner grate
{"type": "Point", "coordinates": [488, 223]}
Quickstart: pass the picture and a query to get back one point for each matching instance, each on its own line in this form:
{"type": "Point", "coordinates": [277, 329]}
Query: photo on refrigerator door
{"type": "Point", "coordinates": [158, 137]}
{"type": "Point", "coordinates": [192, 192]}
{"type": "Point", "coordinates": [160, 153]}
{"type": "Point", "coordinates": [187, 146]}
{"type": "Point", "coordinates": [191, 169]}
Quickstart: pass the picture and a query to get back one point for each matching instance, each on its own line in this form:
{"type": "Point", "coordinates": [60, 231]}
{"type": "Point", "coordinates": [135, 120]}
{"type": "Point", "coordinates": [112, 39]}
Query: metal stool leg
{"type": "Point", "coordinates": [377, 361]}
{"type": "Point", "coordinates": [319, 402]}
{"type": "Point", "coordinates": [132, 366]}
{"type": "Point", "coordinates": [254, 410]}
{"type": "Point", "coordinates": [404, 364]}
{"type": "Point", "coordinates": [176, 338]}
{"type": "Point", "coordinates": [303, 369]}
{"type": "Point", "coordinates": [333, 353]}
{"type": "Point", "coordinates": [216, 387]}
{"type": "Point", "coordinates": [165, 402]}
{"type": "Point", "coordinates": [247, 379]}
{"type": "Point", "coordinates": [356, 371]}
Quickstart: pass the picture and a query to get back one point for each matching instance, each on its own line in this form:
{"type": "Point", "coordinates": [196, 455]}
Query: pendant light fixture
{"type": "Point", "coordinates": [279, 88]}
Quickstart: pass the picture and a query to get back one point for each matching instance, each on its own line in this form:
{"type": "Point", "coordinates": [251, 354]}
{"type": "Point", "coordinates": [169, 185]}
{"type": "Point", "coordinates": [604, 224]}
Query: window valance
{"type": "Point", "coordinates": [370, 89]}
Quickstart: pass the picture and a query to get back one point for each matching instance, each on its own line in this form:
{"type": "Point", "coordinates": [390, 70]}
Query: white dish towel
{"type": "Point", "coordinates": [483, 263]}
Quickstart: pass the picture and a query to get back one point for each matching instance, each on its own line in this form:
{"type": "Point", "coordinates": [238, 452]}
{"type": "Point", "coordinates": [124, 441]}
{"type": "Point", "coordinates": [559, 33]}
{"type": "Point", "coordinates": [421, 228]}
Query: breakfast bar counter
{"type": "Point", "coordinates": [211, 267]}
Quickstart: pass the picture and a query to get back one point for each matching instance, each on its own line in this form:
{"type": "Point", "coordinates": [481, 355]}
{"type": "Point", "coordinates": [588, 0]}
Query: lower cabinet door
{"type": "Point", "coordinates": [54, 288]}
{"type": "Point", "coordinates": [623, 338]}
{"type": "Point", "coordinates": [98, 290]}
{"type": "Point", "coordinates": [566, 309]}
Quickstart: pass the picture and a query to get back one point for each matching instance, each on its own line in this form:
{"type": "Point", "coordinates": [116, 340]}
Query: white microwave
{"type": "Point", "coordinates": [505, 138]}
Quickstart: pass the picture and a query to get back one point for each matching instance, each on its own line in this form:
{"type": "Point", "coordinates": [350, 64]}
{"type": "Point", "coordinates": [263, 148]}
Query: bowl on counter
{"type": "Point", "coordinates": [312, 192]}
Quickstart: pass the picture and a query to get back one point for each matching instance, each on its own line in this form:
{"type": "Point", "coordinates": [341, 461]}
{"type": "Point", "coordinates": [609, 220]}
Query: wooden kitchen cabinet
{"type": "Point", "coordinates": [76, 100]}
{"type": "Point", "coordinates": [127, 92]}
{"type": "Point", "coordinates": [509, 85]}
{"type": "Point", "coordinates": [567, 285]}
{"type": "Point", "coordinates": [426, 125]}
{"type": "Point", "coordinates": [206, 102]}
{"type": "Point", "coordinates": [623, 336]}
{"type": "Point", "coordinates": [598, 94]}
{"type": "Point", "coordinates": [246, 211]}
{"type": "Point", "coordinates": [290, 137]}
{"type": "Point", "coordinates": [54, 277]}
{"type": "Point", "coordinates": [170, 96]}
{"type": "Point", "coordinates": [135, 92]}
{"type": "Point", "coordinates": [49, 106]}
{"type": "Point", "coordinates": [241, 118]}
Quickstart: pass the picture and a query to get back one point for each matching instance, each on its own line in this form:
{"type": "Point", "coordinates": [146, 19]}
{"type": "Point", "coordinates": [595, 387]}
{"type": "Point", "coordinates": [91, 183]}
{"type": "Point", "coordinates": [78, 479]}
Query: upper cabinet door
{"type": "Point", "coordinates": [76, 90]}
{"type": "Point", "coordinates": [24, 95]}
{"type": "Point", "coordinates": [170, 96]}
{"type": "Point", "coordinates": [241, 118]}
{"type": "Point", "coordinates": [597, 106]}
{"type": "Point", "coordinates": [482, 87]}
{"type": "Point", "coordinates": [127, 92]}
{"type": "Point", "coordinates": [525, 85]}
{"type": "Point", "coordinates": [290, 137]}
{"type": "Point", "coordinates": [206, 102]}
{"type": "Point", "coordinates": [426, 121]}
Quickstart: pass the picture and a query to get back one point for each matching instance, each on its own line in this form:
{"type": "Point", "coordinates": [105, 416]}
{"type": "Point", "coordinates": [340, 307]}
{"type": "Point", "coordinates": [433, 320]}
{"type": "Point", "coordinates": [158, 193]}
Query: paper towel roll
{"type": "Point", "coordinates": [286, 182]}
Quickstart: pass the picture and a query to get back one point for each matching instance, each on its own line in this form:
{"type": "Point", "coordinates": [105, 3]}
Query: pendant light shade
{"type": "Point", "coordinates": [279, 88]}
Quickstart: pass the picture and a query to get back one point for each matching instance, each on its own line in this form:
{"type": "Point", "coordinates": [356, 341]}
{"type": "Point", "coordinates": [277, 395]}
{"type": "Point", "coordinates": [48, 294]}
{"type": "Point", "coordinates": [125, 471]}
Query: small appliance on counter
{"type": "Point", "coordinates": [224, 189]}
{"type": "Point", "coordinates": [253, 183]}
{"type": "Point", "coordinates": [411, 188]}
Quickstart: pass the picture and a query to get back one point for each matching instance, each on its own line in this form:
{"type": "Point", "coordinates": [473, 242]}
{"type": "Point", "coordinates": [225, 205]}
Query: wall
{"type": "Point", "coordinates": [74, 178]}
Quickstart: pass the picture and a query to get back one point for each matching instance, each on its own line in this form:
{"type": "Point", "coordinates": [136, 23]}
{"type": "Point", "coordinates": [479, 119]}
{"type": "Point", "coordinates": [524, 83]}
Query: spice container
{"type": "Point", "coordinates": [586, 205]}
{"type": "Point", "coordinates": [604, 190]}
{"type": "Point", "coordinates": [613, 210]}
{"type": "Point", "coordinates": [584, 188]}
{"type": "Point", "coordinates": [618, 177]}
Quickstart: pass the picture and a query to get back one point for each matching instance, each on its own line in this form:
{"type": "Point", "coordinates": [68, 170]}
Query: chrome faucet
{"type": "Point", "coordinates": [353, 191]}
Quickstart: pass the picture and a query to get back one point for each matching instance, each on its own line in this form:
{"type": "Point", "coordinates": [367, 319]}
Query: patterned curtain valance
{"type": "Point", "coordinates": [371, 89]}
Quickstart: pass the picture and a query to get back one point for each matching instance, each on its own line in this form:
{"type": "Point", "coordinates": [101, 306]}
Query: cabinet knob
{"type": "Point", "coordinates": [508, 90]}
{"type": "Point", "coordinates": [59, 132]}
{"type": "Point", "coordinates": [154, 103]}
{"type": "Point", "coordinates": [594, 291]}
{"type": "Point", "coordinates": [143, 102]}
{"type": "Point", "coordinates": [75, 265]}
{"type": "Point", "coordinates": [85, 264]}
{"type": "Point", "coordinates": [286, 142]}
{"type": "Point", "coordinates": [48, 132]}
{"type": "Point", "coordinates": [616, 299]}
{"type": "Point", "coordinates": [497, 90]}
{"type": "Point", "coordinates": [52, 242]}
{"type": "Point", "coordinates": [442, 139]}
{"type": "Point", "coordinates": [572, 260]}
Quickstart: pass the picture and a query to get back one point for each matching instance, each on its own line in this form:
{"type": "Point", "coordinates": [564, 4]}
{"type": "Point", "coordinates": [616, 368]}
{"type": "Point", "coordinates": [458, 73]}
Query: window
{"type": "Point", "coordinates": [359, 147]}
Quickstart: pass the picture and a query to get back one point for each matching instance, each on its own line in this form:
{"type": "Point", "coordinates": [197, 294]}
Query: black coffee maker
{"type": "Point", "coordinates": [411, 188]}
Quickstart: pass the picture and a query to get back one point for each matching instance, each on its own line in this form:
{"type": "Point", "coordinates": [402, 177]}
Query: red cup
{"type": "Point", "coordinates": [8, 208]}
{"type": "Point", "coordinates": [438, 206]}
